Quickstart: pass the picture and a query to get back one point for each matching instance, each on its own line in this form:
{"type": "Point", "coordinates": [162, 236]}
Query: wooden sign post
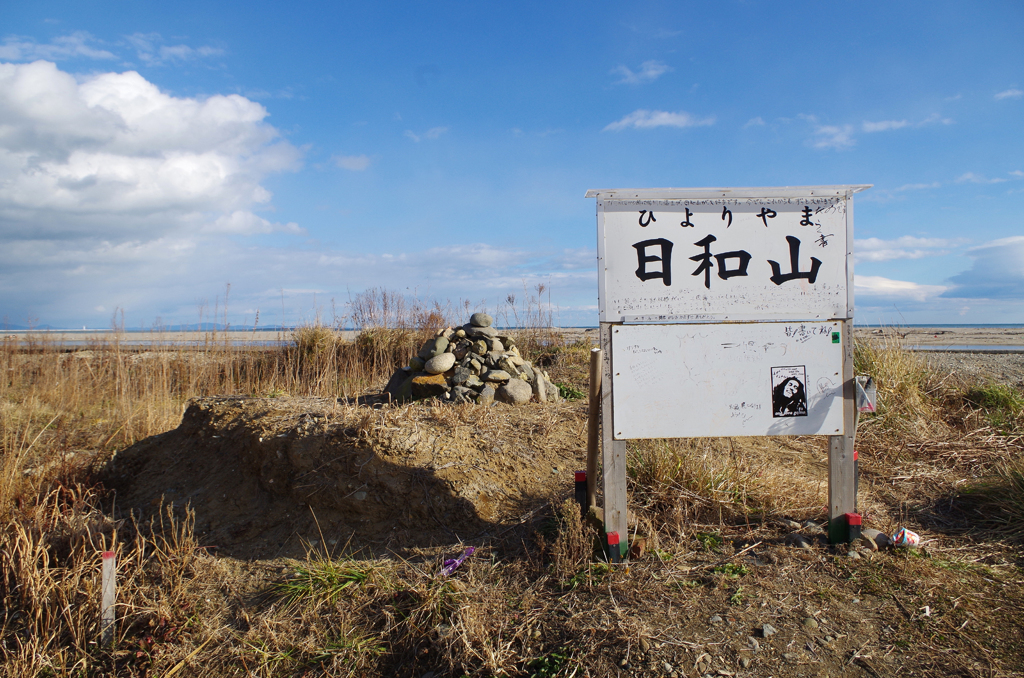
{"type": "Point", "coordinates": [727, 312]}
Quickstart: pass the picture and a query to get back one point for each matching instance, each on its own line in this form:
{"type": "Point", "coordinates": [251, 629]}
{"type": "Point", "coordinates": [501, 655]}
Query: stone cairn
{"type": "Point", "coordinates": [471, 364]}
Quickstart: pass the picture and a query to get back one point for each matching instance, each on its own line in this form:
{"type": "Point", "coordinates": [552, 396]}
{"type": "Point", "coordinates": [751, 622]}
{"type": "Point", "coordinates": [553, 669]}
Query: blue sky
{"type": "Point", "coordinates": [151, 154]}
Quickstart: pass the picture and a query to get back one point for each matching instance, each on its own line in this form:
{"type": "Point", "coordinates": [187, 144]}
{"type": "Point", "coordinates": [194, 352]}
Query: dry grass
{"type": "Point", "coordinates": [550, 610]}
{"type": "Point", "coordinates": [909, 393]}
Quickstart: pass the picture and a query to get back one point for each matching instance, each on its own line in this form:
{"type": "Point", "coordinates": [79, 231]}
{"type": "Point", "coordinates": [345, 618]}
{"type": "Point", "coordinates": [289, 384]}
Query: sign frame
{"type": "Point", "coordinates": [842, 483]}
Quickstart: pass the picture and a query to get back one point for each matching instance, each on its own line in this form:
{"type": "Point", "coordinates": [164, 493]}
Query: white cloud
{"type": "Point", "coordinates": [644, 119]}
{"type": "Point", "coordinates": [1012, 93]}
{"type": "Point", "coordinates": [649, 72]}
{"type": "Point", "coordinates": [113, 154]}
{"type": "Point", "coordinates": [240, 222]}
{"type": "Point", "coordinates": [883, 126]}
{"type": "Point", "coordinates": [885, 195]}
{"type": "Point", "coordinates": [831, 136]}
{"type": "Point", "coordinates": [906, 247]}
{"type": "Point", "coordinates": [972, 178]}
{"type": "Point", "coordinates": [879, 288]}
{"type": "Point", "coordinates": [997, 271]}
{"type": "Point", "coordinates": [108, 185]}
{"type": "Point", "coordinates": [432, 133]}
{"type": "Point", "coordinates": [754, 122]}
{"type": "Point", "coordinates": [356, 163]}
{"type": "Point", "coordinates": [839, 137]}
{"type": "Point", "coordinates": [150, 50]}
{"type": "Point", "coordinates": [75, 45]}
{"type": "Point", "coordinates": [1017, 173]}
{"type": "Point", "coordinates": [935, 117]}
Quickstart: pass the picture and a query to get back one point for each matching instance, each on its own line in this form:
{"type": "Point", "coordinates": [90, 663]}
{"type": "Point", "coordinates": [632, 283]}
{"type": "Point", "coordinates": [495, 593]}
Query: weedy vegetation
{"type": "Point", "coordinates": [941, 456]}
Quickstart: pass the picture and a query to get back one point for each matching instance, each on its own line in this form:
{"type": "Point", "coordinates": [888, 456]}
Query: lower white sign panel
{"type": "Point", "coordinates": [756, 379]}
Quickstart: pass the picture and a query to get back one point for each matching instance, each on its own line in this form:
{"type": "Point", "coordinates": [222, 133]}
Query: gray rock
{"type": "Point", "coordinates": [552, 390]}
{"type": "Point", "coordinates": [753, 644]}
{"type": "Point", "coordinates": [461, 394]}
{"type": "Point", "coordinates": [481, 320]}
{"type": "Point", "coordinates": [768, 630]}
{"type": "Point", "coordinates": [811, 527]}
{"type": "Point", "coordinates": [434, 347]}
{"type": "Point", "coordinates": [854, 555]}
{"type": "Point", "coordinates": [440, 364]}
{"type": "Point", "coordinates": [496, 375]}
{"type": "Point", "coordinates": [539, 390]}
{"type": "Point", "coordinates": [460, 333]}
{"type": "Point", "coordinates": [478, 332]}
{"type": "Point", "coordinates": [865, 543]}
{"type": "Point", "coordinates": [476, 366]}
{"type": "Point", "coordinates": [480, 347]}
{"type": "Point", "coordinates": [461, 375]}
{"type": "Point", "coordinates": [515, 392]}
{"type": "Point", "coordinates": [416, 364]}
{"type": "Point", "coordinates": [486, 396]}
{"type": "Point", "coordinates": [527, 369]}
{"type": "Point", "coordinates": [745, 662]}
{"type": "Point", "coordinates": [810, 623]}
{"type": "Point", "coordinates": [461, 349]}
{"type": "Point", "coordinates": [881, 539]}
{"type": "Point", "coordinates": [790, 524]}
{"type": "Point", "coordinates": [473, 381]}
{"type": "Point", "coordinates": [496, 345]}
{"type": "Point", "coordinates": [715, 619]}
{"type": "Point", "coordinates": [393, 390]}
{"type": "Point", "coordinates": [505, 364]}
{"type": "Point", "coordinates": [797, 540]}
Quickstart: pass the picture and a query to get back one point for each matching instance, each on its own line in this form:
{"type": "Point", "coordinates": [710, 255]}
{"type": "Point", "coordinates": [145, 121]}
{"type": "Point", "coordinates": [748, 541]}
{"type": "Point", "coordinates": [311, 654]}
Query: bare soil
{"type": "Point", "coordinates": [269, 476]}
{"type": "Point", "coordinates": [271, 479]}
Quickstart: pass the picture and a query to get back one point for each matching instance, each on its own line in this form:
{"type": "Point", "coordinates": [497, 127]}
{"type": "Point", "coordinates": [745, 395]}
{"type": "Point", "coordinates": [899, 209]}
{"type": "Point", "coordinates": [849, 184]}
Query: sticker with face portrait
{"type": "Point", "coordinates": [789, 391]}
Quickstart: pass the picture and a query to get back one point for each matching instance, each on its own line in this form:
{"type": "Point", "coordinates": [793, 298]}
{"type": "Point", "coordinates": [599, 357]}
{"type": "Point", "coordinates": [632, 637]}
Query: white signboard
{"type": "Point", "coordinates": [713, 255]}
{"type": "Point", "coordinates": [741, 379]}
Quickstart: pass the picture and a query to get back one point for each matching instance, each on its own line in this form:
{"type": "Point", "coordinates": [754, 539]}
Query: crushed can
{"type": "Point", "coordinates": [904, 538]}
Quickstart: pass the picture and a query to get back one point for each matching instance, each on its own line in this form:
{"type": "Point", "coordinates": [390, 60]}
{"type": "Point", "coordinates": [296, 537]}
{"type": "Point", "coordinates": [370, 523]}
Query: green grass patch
{"type": "Point", "coordinates": [550, 665]}
{"type": "Point", "coordinates": [569, 392]}
{"type": "Point", "coordinates": [732, 570]}
{"type": "Point", "coordinates": [711, 541]}
{"type": "Point", "coordinates": [323, 578]}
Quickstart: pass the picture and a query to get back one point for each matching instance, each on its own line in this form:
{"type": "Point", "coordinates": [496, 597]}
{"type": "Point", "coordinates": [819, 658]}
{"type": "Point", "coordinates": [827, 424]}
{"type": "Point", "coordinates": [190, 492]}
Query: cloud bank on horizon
{"type": "Point", "coordinates": [144, 173]}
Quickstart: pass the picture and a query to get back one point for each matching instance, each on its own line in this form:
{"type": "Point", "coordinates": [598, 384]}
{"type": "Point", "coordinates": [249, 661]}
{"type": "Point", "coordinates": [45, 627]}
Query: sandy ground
{"type": "Point", "coordinates": [947, 336]}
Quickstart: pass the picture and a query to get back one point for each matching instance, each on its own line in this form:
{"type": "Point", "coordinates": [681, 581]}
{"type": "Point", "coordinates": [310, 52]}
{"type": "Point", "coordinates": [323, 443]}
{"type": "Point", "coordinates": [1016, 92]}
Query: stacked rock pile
{"type": "Point", "coordinates": [471, 364]}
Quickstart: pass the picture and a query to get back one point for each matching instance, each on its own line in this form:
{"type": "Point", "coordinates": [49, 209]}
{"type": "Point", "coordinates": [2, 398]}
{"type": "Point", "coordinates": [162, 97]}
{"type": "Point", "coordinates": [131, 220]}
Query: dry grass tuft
{"type": "Point", "coordinates": [908, 391]}
{"type": "Point", "coordinates": [995, 504]}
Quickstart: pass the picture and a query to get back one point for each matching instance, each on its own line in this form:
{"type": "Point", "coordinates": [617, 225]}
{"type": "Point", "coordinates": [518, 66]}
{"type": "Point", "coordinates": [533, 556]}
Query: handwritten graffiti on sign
{"type": "Point", "coordinates": [726, 379]}
{"type": "Point", "coordinates": [727, 258]}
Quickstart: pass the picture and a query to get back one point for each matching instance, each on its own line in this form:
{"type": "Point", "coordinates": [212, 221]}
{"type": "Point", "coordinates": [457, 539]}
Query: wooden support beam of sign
{"type": "Point", "coordinates": [594, 424]}
{"type": "Point", "coordinates": [842, 497]}
{"type": "Point", "coordinates": [613, 451]}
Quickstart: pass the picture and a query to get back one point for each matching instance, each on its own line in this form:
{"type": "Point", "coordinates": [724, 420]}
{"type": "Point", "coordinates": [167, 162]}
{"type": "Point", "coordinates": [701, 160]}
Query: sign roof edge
{"type": "Point", "coordinates": [745, 192]}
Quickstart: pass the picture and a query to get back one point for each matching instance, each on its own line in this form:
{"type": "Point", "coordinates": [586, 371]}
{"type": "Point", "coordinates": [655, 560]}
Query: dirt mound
{"type": "Point", "coordinates": [266, 477]}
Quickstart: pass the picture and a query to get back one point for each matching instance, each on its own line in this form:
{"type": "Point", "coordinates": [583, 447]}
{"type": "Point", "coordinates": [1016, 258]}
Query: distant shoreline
{"type": "Point", "coordinates": [908, 335]}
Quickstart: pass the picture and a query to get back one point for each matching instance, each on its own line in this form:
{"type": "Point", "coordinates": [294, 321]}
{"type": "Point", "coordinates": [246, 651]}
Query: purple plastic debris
{"type": "Point", "coordinates": [452, 564]}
